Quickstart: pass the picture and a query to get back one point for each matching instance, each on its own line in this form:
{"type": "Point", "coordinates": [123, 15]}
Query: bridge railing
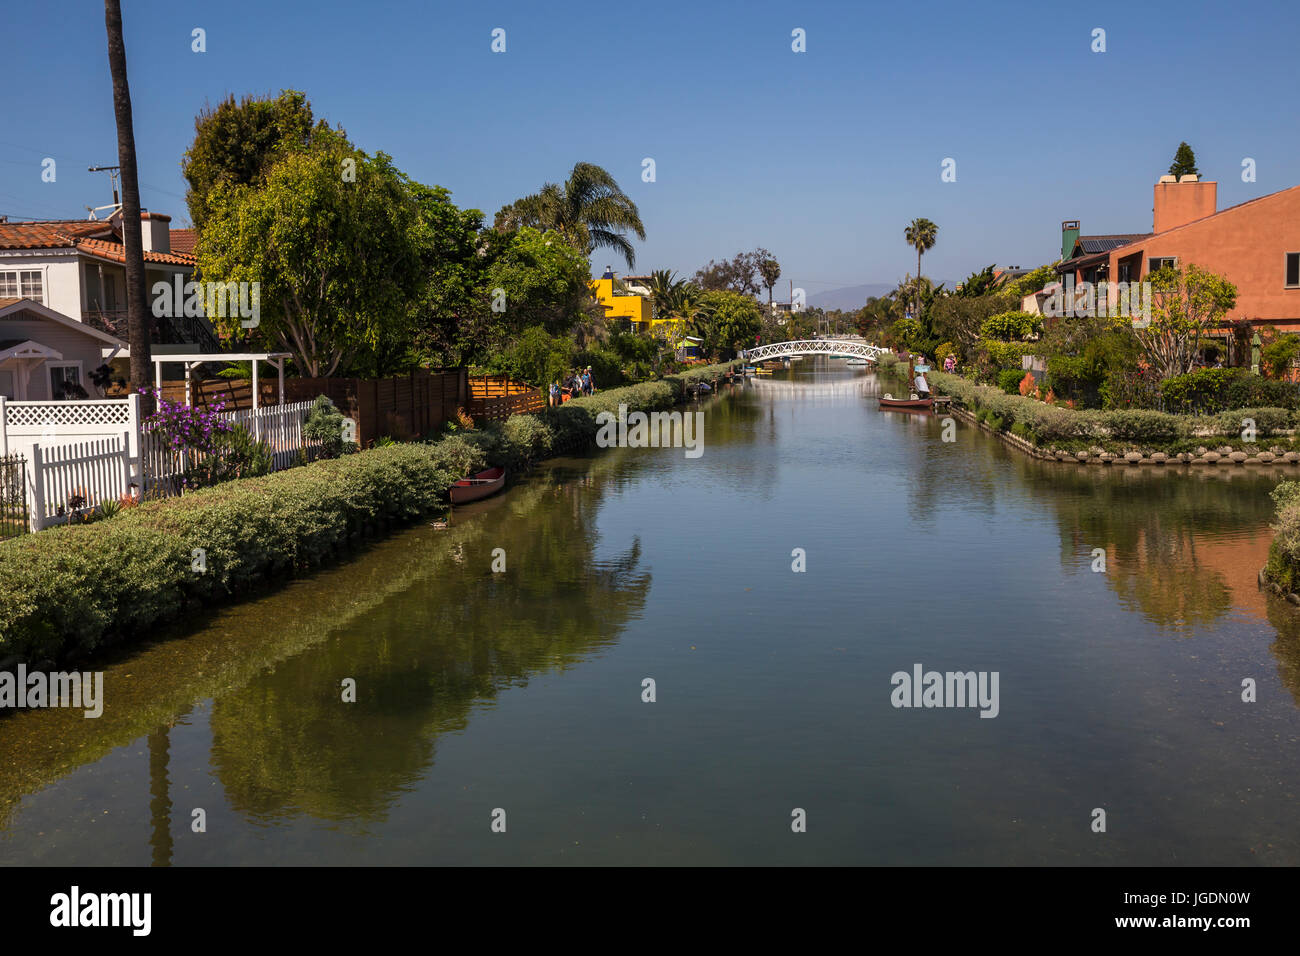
{"type": "Point", "coordinates": [812, 347]}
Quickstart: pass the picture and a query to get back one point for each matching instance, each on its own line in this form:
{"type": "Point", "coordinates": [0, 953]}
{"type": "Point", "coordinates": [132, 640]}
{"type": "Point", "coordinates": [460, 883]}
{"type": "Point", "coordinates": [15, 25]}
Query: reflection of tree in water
{"type": "Point", "coordinates": [940, 470]}
{"type": "Point", "coordinates": [286, 744]}
{"type": "Point", "coordinates": [1285, 617]}
{"type": "Point", "coordinates": [1172, 542]}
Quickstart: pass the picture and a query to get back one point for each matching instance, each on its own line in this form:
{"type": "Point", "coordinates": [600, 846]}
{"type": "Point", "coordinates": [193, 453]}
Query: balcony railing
{"type": "Point", "coordinates": [178, 330]}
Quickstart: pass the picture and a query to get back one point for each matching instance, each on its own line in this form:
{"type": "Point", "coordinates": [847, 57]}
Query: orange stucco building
{"type": "Point", "coordinates": [1255, 245]}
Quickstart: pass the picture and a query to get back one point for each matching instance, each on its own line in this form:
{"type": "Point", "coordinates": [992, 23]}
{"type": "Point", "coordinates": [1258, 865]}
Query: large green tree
{"type": "Point", "coordinates": [733, 321]}
{"type": "Point", "coordinates": [589, 210]}
{"type": "Point", "coordinates": [1185, 304]}
{"type": "Point", "coordinates": [331, 235]}
{"type": "Point", "coordinates": [236, 143]}
{"type": "Point", "coordinates": [957, 319]}
{"type": "Point", "coordinates": [453, 258]}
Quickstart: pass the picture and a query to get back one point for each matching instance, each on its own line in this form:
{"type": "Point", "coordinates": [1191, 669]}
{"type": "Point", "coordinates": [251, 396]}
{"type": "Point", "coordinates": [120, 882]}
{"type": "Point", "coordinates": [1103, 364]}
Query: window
{"type": "Point", "coordinates": [65, 381]}
{"type": "Point", "coordinates": [22, 285]}
{"type": "Point", "coordinates": [1293, 270]}
{"type": "Point", "coordinates": [1162, 262]}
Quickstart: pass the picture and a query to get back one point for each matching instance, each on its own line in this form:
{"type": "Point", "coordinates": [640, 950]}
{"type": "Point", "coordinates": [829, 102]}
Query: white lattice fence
{"type": "Point", "coordinates": [25, 425]}
{"type": "Point", "coordinates": [76, 477]}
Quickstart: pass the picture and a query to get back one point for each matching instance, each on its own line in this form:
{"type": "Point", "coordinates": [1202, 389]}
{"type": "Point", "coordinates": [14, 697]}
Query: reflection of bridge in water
{"type": "Point", "coordinates": [854, 348]}
{"type": "Point", "coordinates": [859, 386]}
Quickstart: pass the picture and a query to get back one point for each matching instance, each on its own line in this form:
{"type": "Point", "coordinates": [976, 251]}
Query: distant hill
{"type": "Point", "coordinates": [854, 296]}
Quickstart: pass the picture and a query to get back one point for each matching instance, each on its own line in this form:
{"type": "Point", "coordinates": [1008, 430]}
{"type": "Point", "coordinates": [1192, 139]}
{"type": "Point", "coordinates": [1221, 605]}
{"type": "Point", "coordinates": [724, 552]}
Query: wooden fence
{"type": "Point", "coordinates": [494, 398]}
{"type": "Point", "coordinates": [402, 407]}
{"type": "Point", "coordinates": [496, 386]}
{"type": "Point", "coordinates": [235, 393]}
{"type": "Point", "coordinates": [67, 479]}
{"type": "Point", "coordinates": [499, 409]}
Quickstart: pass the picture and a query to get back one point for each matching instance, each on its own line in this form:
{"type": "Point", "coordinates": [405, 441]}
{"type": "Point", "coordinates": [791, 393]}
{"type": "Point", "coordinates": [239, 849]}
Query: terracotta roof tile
{"type": "Point", "coordinates": [184, 240]}
{"type": "Point", "coordinates": [51, 234]}
{"type": "Point", "coordinates": [114, 251]}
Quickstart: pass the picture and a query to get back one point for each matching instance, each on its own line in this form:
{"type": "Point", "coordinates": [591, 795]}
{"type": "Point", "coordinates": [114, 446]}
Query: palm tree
{"type": "Point", "coordinates": [138, 315]}
{"type": "Point", "coordinates": [589, 210]}
{"type": "Point", "coordinates": [687, 307]}
{"type": "Point", "coordinates": [921, 235]}
{"type": "Point", "coordinates": [663, 283]}
{"type": "Point", "coordinates": [770, 270]}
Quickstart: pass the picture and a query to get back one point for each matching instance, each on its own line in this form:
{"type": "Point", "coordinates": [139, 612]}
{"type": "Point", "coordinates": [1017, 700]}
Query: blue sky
{"type": "Point", "coordinates": [823, 157]}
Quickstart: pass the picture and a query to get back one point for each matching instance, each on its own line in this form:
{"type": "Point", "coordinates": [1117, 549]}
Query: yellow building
{"type": "Point", "coordinates": [621, 305]}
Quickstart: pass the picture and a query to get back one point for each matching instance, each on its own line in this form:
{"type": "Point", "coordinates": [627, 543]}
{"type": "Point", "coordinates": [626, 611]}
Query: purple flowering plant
{"type": "Point", "coordinates": [189, 432]}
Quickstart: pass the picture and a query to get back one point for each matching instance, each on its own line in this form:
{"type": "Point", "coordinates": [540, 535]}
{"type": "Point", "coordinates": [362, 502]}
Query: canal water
{"type": "Point", "coordinates": [518, 696]}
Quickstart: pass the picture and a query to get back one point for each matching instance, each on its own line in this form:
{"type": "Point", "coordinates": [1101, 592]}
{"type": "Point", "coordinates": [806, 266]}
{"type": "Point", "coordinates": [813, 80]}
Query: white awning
{"type": "Point", "coordinates": [29, 350]}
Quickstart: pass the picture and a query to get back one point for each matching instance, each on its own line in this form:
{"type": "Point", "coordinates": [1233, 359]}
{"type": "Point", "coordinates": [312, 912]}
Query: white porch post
{"type": "Point", "coordinates": [157, 377]}
{"type": "Point", "coordinates": [279, 367]}
{"type": "Point", "coordinates": [37, 517]}
{"type": "Point", "coordinates": [135, 441]}
{"type": "Point", "coordinates": [189, 375]}
{"type": "Point", "coordinates": [4, 428]}
{"type": "Point", "coordinates": [126, 462]}
{"type": "Point", "coordinates": [257, 419]}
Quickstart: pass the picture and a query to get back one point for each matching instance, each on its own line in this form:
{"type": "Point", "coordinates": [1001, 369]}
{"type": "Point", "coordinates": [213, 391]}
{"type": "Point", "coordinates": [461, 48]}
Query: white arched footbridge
{"type": "Point", "coordinates": [840, 347]}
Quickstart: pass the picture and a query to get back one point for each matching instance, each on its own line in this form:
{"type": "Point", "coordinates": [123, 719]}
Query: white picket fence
{"type": "Point", "coordinates": [278, 426]}
{"type": "Point", "coordinates": [68, 480]}
{"type": "Point", "coordinates": [81, 454]}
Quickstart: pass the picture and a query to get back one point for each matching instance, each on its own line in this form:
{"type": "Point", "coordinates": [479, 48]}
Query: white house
{"type": "Point", "coordinates": [76, 267]}
{"type": "Point", "coordinates": [45, 355]}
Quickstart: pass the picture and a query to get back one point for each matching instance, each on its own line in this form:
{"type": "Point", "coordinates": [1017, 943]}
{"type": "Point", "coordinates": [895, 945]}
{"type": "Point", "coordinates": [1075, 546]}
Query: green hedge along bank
{"type": "Point", "coordinates": [69, 591]}
{"type": "Point", "coordinates": [1244, 435]}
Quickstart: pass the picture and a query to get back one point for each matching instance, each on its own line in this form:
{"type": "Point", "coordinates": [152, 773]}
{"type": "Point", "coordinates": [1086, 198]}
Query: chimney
{"type": "Point", "coordinates": [155, 229]}
{"type": "Point", "coordinates": [1180, 201]}
{"type": "Point", "coordinates": [1069, 235]}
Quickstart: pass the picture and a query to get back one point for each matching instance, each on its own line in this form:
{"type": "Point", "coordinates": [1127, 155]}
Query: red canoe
{"type": "Point", "coordinates": [478, 486]}
{"type": "Point", "coordinates": [906, 402]}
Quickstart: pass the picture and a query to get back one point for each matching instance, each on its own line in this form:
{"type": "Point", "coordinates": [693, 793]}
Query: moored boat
{"type": "Point", "coordinates": [888, 401]}
{"type": "Point", "coordinates": [478, 486]}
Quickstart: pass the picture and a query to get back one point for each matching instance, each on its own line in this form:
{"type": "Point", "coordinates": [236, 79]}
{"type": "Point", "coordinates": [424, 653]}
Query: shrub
{"type": "Point", "coordinates": [1251, 391]}
{"type": "Point", "coordinates": [1010, 326]}
{"type": "Point", "coordinates": [1201, 392]}
{"type": "Point", "coordinates": [998, 355]}
{"type": "Point", "coordinates": [886, 361]}
{"type": "Point", "coordinates": [1268, 421]}
{"type": "Point", "coordinates": [1009, 380]}
{"type": "Point", "coordinates": [1278, 356]}
{"type": "Point", "coordinates": [1142, 425]}
{"type": "Point", "coordinates": [1284, 553]}
{"type": "Point", "coordinates": [606, 367]}
{"type": "Point", "coordinates": [1286, 493]}
{"type": "Point", "coordinates": [324, 427]}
